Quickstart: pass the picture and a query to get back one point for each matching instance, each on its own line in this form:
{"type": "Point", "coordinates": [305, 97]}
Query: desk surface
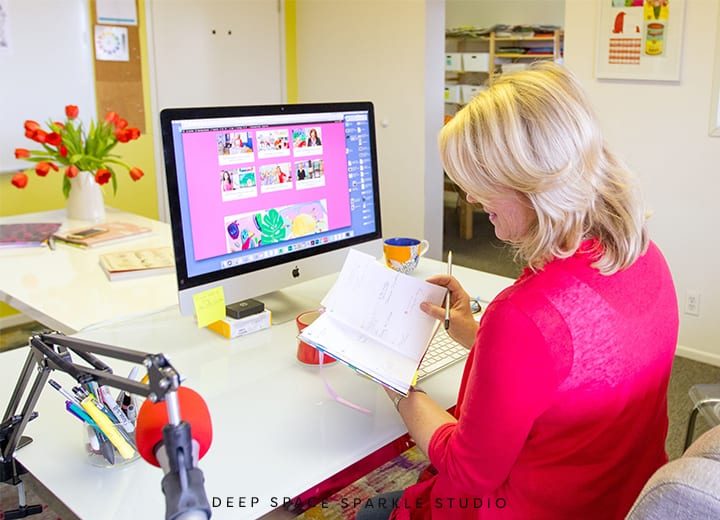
{"type": "Point", "coordinates": [66, 289]}
{"type": "Point", "coordinates": [277, 432]}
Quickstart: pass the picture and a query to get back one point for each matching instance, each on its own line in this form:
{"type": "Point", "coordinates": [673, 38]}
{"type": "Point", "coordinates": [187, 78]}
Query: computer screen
{"type": "Point", "coordinates": [263, 197]}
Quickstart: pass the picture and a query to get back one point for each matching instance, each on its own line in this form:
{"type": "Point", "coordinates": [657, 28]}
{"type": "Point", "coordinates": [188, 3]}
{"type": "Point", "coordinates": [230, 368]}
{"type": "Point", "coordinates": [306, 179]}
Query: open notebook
{"type": "Point", "coordinates": [373, 322]}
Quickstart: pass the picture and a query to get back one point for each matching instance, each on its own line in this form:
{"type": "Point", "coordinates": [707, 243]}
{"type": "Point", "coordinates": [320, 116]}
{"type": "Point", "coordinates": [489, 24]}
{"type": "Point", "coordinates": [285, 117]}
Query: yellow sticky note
{"type": "Point", "coordinates": [209, 306]}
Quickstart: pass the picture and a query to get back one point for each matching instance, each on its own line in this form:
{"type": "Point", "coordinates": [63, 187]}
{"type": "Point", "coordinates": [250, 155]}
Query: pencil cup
{"type": "Point", "coordinates": [106, 453]}
{"type": "Point", "coordinates": [403, 254]}
{"type": "Point", "coordinates": [307, 354]}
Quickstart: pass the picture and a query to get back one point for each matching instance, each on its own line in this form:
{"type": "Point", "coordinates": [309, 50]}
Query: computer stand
{"type": "Point", "coordinates": [285, 306]}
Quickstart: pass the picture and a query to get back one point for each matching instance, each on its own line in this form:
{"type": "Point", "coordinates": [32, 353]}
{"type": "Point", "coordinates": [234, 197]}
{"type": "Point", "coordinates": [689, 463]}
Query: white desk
{"type": "Point", "coordinates": [66, 289]}
{"type": "Point", "coordinates": [277, 433]}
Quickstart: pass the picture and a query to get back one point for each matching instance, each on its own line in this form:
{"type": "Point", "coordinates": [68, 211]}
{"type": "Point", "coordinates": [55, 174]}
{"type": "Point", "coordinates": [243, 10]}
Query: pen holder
{"type": "Point", "coordinates": [106, 453]}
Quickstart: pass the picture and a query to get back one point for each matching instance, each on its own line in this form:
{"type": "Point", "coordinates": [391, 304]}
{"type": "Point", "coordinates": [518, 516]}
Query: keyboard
{"type": "Point", "coordinates": [442, 352]}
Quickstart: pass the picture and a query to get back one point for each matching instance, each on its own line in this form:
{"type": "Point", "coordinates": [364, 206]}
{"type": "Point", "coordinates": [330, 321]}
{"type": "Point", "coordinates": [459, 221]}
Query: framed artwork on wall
{"type": "Point", "coordinates": [639, 39]}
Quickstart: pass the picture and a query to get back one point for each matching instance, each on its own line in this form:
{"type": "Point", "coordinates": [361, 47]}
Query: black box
{"type": "Point", "coordinates": [244, 308]}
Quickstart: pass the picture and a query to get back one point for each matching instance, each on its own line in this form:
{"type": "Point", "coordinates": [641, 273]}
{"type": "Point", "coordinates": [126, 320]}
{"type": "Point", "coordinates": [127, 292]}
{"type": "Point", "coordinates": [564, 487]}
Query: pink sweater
{"type": "Point", "coordinates": [562, 409]}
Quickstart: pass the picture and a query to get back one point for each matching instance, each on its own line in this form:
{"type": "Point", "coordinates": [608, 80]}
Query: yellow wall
{"type": "Point", "coordinates": [291, 79]}
{"type": "Point", "coordinates": [141, 197]}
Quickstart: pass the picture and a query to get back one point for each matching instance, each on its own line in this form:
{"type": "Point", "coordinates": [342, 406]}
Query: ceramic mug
{"type": "Point", "coordinates": [307, 354]}
{"type": "Point", "coordinates": [403, 254]}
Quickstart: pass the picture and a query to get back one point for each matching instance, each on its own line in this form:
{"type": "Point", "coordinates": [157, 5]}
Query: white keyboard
{"type": "Point", "coordinates": [442, 352]}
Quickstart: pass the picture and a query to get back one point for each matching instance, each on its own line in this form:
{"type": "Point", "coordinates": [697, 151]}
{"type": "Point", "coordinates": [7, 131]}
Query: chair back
{"type": "Point", "coordinates": [686, 488]}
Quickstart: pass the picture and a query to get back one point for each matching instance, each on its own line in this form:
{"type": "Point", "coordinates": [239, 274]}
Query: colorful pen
{"type": "Point", "coordinates": [78, 412]}
{"type": "Point", "coordinates": [122, 419]}
{"type": "Point", "coordinates": [64, 392]}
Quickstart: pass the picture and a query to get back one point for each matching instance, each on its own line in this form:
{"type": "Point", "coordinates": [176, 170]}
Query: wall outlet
{"type": "Point", "coordinates": [692, 303]}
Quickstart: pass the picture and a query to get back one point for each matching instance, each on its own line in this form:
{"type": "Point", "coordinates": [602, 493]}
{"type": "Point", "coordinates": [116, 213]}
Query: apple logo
{"type": "Point", "coordinates": [296, 272]}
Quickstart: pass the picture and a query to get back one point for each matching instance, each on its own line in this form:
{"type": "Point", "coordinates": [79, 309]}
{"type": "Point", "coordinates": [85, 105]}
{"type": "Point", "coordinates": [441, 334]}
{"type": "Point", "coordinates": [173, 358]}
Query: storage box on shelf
{"type": "Point", "coordinates": [474, 56]}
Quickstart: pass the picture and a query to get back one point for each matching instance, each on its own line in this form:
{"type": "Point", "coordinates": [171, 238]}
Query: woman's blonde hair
{"type": "Point", "coordinates": [534, 132]}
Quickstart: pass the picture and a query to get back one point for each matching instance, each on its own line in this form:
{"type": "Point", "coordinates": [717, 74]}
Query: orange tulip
{"type": "Point", "coordinates": [71, 171]}
{"type": "Point", "coordinates": [42, 168]}
{"type": "Point", "coordinates": [112, 117]}
{"type": "Point", "coordinates": [20, 180]}
{"type": "Point", "coordinates": [53, 139]}
{"type": "Point", "coordinates": [31, 126]}
{"type": "Point", "coordinates": [21, 153]}
{"type": "Point", "coordinates": [72, 111]}
{"type": "Point", "coordinates": [39, 135]}
{"type": "Point", "coordinates": [134, 133]}
{"type": "Point", "coordinates": [121, 123]}
{"type": "Point", "coordinates": [102, 176]}
{"type": "Point", "coordinates": [136, 174]}
{"type": "Point", "coordinates": [123, 136]}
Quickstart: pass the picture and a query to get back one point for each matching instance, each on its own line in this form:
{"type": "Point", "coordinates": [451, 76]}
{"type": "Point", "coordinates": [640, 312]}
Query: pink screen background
{"type": "Point", "coordinates": [207, 209]}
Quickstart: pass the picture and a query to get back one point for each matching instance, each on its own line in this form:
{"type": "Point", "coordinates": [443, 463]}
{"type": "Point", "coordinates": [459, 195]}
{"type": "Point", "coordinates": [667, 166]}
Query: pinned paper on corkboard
{"type": "Point", "coordinates": [111, 43]}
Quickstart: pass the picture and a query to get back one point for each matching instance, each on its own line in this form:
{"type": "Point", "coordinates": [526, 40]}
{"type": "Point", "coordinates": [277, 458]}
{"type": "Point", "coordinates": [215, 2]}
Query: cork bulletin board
{"type": "Point", "coordinates": [118, 68]}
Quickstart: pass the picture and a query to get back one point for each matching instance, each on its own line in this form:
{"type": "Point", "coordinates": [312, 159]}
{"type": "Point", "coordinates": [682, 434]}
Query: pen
{"type": "Point", "coordinates": [122, 394]}
{"type": "Point", "coordinates": [128, 407]}
{"type": "Point", "coordinates": [106, 448]}
{"type": "Point", "coordinates": [115, 409]}
{"type": "Point", "coordinates": [78, 412]}
{"type": "Point", "coordinates": [447, 296]}
{"type": "Point", "coordinates": [67, 395]}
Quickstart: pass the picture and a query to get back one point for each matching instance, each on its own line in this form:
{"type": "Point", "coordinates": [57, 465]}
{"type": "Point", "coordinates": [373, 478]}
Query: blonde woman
{"type": "Point", "coordinates": [562, 409]}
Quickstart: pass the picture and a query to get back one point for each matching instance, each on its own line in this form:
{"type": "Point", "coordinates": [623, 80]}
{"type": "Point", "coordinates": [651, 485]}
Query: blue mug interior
{"type": "Point", "coordinates": [402, 241]}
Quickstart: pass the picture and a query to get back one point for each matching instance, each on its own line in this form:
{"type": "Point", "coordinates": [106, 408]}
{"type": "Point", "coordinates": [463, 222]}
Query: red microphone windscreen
{"type": "Point", "coordinates": [152, 417]}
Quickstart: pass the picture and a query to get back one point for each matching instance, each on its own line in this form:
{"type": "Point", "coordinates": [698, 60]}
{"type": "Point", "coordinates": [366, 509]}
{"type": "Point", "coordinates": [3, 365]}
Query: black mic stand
{"type": "Point", "coordinates": [184, 490]}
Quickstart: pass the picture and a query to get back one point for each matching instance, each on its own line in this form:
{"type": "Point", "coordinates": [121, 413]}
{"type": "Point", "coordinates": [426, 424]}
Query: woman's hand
{"type": "Point", "coordinates": [463, 326]}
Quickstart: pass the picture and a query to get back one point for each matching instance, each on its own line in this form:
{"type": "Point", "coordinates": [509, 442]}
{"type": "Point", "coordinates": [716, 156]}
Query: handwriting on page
{"type": "Point", "coordinates": [390, 297]}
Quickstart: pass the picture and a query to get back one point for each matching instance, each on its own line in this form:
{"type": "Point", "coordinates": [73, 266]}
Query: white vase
{"type": "Point", "coordinates": [85, 201]}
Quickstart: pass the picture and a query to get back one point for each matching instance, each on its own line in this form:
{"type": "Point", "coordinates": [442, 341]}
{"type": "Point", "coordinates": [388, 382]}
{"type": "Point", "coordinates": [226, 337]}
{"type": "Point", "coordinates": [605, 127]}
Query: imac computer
{"type": "Point", "coordinates": [265, 197]}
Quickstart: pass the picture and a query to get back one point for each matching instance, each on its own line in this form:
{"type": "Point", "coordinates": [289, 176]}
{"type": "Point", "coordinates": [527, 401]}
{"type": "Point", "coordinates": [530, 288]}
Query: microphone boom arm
{"type": "Point", "coordinates": [52, 351]}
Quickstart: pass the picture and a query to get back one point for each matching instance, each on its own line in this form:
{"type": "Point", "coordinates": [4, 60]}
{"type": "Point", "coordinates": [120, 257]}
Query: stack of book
{"type": "Point", "coordinates": [102, 234]}
{"type": "Point", "coordinates": [27, 234]}
{"type": "Point", "coordinates": [122, 265]}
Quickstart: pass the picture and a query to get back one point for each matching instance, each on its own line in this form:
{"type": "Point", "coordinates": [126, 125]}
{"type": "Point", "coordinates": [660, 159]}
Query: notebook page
{"type": "Point", "coordinates": [384, 304]}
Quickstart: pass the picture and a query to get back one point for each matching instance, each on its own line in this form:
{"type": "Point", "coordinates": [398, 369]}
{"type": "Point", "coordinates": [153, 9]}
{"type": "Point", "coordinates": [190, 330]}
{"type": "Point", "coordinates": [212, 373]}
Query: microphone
{"type": "Point", "coordinates": [165, 441]}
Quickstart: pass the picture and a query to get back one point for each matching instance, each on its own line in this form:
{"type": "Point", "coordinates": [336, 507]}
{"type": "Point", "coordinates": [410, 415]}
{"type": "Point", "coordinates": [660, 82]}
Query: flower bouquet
{"type": "Point", "coordinates": [68, 145]}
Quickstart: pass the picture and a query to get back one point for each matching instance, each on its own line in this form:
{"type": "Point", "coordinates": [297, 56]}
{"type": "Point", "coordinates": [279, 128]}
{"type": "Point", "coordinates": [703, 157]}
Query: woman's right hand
{"type": "Point", "coordinates": [463, 326]}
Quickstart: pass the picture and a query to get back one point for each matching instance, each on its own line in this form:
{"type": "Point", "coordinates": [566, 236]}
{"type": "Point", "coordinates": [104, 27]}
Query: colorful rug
{"type": "Point", "coordinates": [398, 473]}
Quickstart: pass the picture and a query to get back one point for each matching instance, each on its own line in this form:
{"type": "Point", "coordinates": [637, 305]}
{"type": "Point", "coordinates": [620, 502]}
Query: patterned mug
{"type": "Point", "coordinates": [403, 254]}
